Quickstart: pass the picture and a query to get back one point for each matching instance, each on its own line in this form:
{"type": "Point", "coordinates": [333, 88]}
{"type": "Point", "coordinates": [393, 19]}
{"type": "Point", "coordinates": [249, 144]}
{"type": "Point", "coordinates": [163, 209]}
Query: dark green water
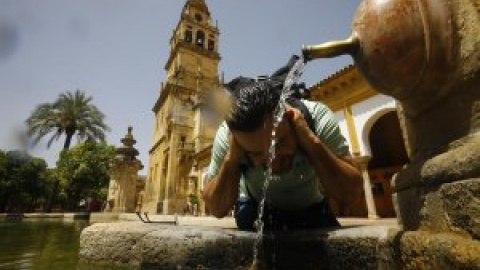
{"type": "Point", "coordinates": [40, 244]}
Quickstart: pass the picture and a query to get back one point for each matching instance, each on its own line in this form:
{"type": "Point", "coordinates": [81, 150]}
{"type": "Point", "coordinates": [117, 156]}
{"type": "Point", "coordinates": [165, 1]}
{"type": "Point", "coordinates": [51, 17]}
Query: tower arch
{"type": "Point", "coordinates": [200, 38]}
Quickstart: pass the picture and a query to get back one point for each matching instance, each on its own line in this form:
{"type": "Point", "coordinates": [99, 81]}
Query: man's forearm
{"type": "Point", "coordinates": [221, 192]}
{"type": "Point", "coordinates": [340, 178]}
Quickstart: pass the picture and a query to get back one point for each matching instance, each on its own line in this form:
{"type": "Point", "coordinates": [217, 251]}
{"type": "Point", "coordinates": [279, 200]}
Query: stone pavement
{"type": "Point", "coordinates": [227, 222]}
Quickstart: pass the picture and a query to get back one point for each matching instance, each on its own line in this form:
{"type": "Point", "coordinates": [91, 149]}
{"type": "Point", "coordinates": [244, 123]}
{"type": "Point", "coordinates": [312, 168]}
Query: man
{"type": "Point", "coordinates": [307, 156]}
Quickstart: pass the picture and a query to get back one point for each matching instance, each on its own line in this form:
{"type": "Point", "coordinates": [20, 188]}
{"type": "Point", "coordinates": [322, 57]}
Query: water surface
{"type": "Point", "coordinates": [40, 244]}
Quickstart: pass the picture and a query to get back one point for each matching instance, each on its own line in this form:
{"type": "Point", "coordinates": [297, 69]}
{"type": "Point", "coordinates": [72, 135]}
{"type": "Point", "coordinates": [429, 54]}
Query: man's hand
{"type": "Point", "coordinates": [220, 193]}
{"type": "Point", "coordinates": [339, 175]}
{"type": "Point", "coordinates": [305, 136]}
{"type": "Point", "coordinates": [235, 152]}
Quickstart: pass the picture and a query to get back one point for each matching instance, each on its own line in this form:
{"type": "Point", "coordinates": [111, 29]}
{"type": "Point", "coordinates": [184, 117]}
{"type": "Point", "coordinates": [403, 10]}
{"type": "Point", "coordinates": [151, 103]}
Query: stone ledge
{"type": "Point", "coordinates": [424, 250]}
{"type": "Point", "coordinates": [460, 161]}
{"type": "Point", "coordinates": [156, 246]}
{"type": "Point", "coordinates": [452, 208]}
{"type": "Point", "coordinates": [461, 206]}
{"type": "Point", "coordinates": [35, 216]}
{"type": "Point", "coordinates": [187, 220]}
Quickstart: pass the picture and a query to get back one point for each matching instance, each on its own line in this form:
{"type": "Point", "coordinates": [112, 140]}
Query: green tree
{"type": "Point", "coordinates": [3, 166]}
{"type": "Point", "coordinates": [52, 196]}
{"type": "Point", "coordinates": [84, 171]}
{"type": "Point", "coordinates": [23, 181]}
{"type": "Point", "coordinates": [33, 181]}
{"type": "Point", "coordinates": [13, 195]}
{"type": "Point", "coordinates": [70, 114]}
{"type": "Point", "coordinates": [3, 180]}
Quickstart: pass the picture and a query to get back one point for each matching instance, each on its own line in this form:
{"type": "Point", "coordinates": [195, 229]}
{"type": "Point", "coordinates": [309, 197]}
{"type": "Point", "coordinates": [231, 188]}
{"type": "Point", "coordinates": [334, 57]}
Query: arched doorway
{"type": "Point", "coordinates": [388, 155]}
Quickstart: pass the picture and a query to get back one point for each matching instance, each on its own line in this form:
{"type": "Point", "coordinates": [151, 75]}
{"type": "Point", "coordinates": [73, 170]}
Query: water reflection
{"type": "Point", "coordinates": [40, 244]}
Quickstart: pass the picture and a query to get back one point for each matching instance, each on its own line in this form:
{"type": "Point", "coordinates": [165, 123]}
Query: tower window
{"type": "Point", "coordinates": [182, 140]}
{"type": "Point", "coordinates": [200, 38]}
{"type": "Point", "coordinates": [198, 17]}
{"type": "Point", "coordinates": [211, 45]}
{"type": "Point", "coordinates": [188, 35]}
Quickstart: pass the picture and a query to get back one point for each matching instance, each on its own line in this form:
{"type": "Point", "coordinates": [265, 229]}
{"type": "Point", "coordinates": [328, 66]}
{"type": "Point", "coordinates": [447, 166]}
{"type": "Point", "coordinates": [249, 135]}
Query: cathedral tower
{"type": "Point", "coordinates": [181, 138]}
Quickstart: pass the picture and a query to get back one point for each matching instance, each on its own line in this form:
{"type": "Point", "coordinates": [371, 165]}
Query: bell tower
{"type": "Point", "coordinates": [194, 47]}
{"type": "Point", "coordinates": [180, 133]}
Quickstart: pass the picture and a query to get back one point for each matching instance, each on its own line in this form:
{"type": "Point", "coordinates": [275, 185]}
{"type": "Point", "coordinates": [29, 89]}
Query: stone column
{"type": "Point", "coordinates": [201, 187]}
{"type": "Point", "coordinates": [168, 201]}
{"type": "Point", "coordinates": [367, 187]}
{"type": "Point", "coordinates": [125, 174]}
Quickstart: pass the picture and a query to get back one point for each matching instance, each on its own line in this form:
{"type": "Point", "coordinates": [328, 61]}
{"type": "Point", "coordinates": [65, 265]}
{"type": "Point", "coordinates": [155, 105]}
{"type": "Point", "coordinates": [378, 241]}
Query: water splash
{"type": "Point", "coordinates": [292, 77]}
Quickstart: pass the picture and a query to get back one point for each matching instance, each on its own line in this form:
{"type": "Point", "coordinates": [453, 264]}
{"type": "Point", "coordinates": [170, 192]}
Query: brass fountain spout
{"type": "Point", "coordinates": [331, 49]}
{"type": "Point", "coordinates": [402, 48]}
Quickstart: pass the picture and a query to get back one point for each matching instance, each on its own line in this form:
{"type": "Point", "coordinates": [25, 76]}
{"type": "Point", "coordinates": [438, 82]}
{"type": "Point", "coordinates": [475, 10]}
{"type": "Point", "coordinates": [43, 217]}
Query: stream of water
{"type": "Point", "coordinates": [293, 76]}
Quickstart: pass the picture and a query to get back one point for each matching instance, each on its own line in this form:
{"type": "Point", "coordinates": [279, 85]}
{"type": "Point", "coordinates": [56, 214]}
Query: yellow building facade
{"type": "Point", "coordinates": [370, 123]}
{"type": "Point", "coordinates": [182, 137]}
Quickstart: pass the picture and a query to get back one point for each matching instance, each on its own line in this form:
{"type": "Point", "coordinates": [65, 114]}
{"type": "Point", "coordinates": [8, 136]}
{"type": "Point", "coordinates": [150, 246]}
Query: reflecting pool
{"type": "Point", "coordinates": [40, 244]}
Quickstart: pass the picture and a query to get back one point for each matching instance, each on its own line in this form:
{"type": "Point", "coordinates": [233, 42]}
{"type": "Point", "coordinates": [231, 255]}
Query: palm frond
{"type": "Point", "coordinates": [71, 113]}
{"type": "Point", "coordinates": [54, 137]}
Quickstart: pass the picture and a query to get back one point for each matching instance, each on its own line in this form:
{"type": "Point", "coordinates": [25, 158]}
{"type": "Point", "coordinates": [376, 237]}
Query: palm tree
{"type": "Point", "coordinates": [70, 114]}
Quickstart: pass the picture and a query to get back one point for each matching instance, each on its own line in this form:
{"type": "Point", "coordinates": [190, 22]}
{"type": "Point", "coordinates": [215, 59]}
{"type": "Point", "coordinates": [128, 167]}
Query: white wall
{"type": "Point", "coordinates": [365, 114]}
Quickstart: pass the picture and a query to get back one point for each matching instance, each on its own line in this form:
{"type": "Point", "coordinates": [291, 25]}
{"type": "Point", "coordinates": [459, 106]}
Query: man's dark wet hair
{"type": "Point", "coordinates": [252, 101]}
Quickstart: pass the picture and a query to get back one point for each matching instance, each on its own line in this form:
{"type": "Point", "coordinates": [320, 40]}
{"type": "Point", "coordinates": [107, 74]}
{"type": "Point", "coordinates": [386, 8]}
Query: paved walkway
{"type": "Point", "coordinates": [229, 222]}
{"type": "Point", "coordinates": [209, 221]}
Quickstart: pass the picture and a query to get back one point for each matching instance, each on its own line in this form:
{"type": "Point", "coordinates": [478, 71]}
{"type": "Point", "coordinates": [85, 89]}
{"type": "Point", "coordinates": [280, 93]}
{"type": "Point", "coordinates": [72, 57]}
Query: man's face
{"type": "Point", "coordinates": [256, 145]}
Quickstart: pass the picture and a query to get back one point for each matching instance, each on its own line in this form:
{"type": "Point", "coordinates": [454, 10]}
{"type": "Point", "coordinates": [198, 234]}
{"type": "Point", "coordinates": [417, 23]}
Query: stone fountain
{"type": "Point", "coordinates": [122, 190]}
{"type": "Point", "coordinates": [426, 54]}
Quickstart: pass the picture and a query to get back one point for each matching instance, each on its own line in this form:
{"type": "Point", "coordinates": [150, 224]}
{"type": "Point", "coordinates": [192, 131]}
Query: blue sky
{"type": "Point", "coordinates": [115, 51]}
